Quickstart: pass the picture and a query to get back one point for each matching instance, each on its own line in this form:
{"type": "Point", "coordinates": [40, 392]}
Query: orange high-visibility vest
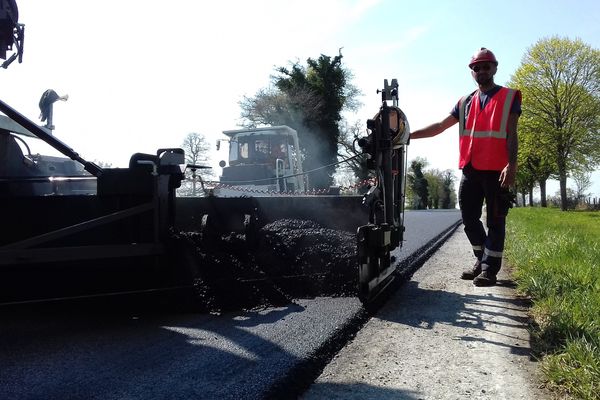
{"type": "Point", "coordinates": [483, 135]}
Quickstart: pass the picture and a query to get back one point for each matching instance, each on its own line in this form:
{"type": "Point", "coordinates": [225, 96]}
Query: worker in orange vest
{"type": "Point", "coordinates": [488, 145]}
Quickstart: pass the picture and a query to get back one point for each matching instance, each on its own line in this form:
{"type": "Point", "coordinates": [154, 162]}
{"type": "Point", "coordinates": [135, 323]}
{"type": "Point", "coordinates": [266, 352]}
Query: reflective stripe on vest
{"type": "Point", "coordinates": [483, 140]}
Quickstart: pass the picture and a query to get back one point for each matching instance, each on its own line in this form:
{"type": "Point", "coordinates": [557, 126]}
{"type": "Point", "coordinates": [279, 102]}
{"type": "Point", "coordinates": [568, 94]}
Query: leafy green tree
{"type": "Point", "coordinates": [440, 186]}
{"type": "Point", "coordinates": [434, 188]}
{"type": "Point", "coordinates": [273, 107]}
{"type": "Point", "coordinates": [309, 99]}
{"type": "Point", "coordinates": [535, 160]}
{"type": "Point", "coordinates": [531, 160]}
{"type": "Point", "coordinates": [560, 82]}
{"type": "Point", "coordinates": [418, 184]}
{"type": "Point", "coordinates": [448, 199]}
{"type": "Point", "coordinates": [525, 181]}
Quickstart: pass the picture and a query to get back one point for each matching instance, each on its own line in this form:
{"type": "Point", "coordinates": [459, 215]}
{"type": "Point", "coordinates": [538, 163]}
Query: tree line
{"type": "Point", "coordinates": [429, 189]}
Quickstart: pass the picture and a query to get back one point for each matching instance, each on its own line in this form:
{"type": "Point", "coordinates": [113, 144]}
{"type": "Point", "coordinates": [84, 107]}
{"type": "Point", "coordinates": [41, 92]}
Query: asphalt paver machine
{"type": "Point", "coordinates": [72, 228]}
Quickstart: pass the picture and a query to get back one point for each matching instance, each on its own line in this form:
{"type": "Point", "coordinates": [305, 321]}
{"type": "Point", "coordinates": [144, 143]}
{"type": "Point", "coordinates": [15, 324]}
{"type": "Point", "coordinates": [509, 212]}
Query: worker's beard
{"type": "Point", "coordinates": [484, 80]}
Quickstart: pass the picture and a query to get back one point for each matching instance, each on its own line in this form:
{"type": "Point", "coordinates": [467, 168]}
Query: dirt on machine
{"type": "Point", "coordinates": [259, 237]}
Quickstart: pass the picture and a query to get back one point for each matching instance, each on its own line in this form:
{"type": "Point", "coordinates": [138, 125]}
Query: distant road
{"type": "Point", "coordinates": [66, 354]}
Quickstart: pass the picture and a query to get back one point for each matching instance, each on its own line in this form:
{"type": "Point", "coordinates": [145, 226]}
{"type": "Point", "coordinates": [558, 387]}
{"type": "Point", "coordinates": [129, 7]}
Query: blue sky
{"type": "Point", "coordinates": [141, 75]}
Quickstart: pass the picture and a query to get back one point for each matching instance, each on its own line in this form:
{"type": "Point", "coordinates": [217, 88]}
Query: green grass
{"type": "Point", "coordinates": [556, 260]}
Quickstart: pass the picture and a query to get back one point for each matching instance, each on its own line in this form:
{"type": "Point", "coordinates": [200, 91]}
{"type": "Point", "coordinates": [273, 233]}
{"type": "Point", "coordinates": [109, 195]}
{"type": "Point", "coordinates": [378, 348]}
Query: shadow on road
{"type": "Point", "coordinates": [61, 352]}
{"type": "Point", "coordinates": [425, 307]}
{"type": "Point", "coordinates": [361, 391]}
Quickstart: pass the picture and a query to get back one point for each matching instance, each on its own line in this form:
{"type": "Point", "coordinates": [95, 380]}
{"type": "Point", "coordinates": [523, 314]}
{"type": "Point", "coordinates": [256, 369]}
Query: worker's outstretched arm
{"type": "Point", "coordinates": [434, 129]}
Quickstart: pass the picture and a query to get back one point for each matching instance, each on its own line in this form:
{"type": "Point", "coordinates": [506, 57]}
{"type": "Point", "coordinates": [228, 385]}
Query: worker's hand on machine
{"type": "Point", "coordinates": [507, 176]}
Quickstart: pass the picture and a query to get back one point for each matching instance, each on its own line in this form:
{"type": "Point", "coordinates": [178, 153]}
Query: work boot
{"type": "Point", "coordinates": [471, 273]}
{"type": "Point", "coordinates": [486, 278]}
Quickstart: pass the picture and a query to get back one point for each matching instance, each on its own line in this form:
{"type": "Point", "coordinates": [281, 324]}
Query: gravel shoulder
{"type": "Point", "coordinates": [439, 337]}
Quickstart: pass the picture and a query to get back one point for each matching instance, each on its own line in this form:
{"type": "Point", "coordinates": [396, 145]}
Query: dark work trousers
{"type": "Point", "coordinates": [475, 187]}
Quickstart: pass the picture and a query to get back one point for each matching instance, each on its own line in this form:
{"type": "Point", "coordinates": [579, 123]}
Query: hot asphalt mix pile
{"type": "Point", "coordinates": [289, 259]}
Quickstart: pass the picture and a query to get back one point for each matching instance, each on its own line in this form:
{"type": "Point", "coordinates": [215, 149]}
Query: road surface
{"type": "Point", "coordinates": [61, 353]}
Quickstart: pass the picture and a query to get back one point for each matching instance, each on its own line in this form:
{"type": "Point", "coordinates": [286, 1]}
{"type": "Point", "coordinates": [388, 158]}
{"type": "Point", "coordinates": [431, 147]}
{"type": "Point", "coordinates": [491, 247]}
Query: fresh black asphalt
{"type": "Point", "coordinates": [61, 354]}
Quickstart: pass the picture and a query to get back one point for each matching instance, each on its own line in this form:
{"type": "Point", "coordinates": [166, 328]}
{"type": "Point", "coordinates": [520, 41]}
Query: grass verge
{"type": "Point", "coordinates": [556, 256]}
